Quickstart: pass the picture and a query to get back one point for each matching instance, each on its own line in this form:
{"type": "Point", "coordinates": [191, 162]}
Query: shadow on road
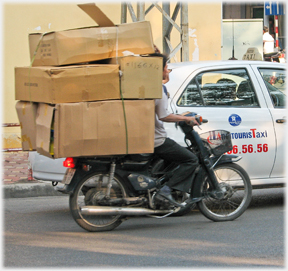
{"type": "Point", "coordinates": [268, 197]}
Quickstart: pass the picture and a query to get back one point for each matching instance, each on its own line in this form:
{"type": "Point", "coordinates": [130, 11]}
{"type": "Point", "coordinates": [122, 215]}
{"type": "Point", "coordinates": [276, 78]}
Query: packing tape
{"type": "Point", "coordinates": [125, 120]}
{"type": "Point", "coordinates": [85, 92]}
{"type": "Point", "coordinates": [46, 110]}
{"type": "Point", "coordinates": [24, 108]}
{"type": "Point", "coordinates": [123, 103]}
{"type": "Point", "coordinates": [117, 37]}
{"type": "Point", "coordinates": [37, 47]}
{"type": "Point", "coordinates": [142, 92]}
{"type": "Point", "coordinates": [25, 138]}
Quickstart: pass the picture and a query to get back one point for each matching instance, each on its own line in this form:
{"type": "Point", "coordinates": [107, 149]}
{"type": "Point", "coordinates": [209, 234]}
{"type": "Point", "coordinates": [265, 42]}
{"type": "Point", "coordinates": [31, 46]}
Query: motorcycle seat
{"type": "Point", "coordinates": [141, 157]}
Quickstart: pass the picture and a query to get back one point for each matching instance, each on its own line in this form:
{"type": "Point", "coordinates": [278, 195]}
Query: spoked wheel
{"type": "Point", "coordinates": [91, 191]}
{"type": "Point", "coordinates": [237, 192]}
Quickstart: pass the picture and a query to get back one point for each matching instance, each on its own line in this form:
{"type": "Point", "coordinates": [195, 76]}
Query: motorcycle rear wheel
{"type": "Point", "coordinates": [89, 192]}
{"type": "Point", "coordinates": [237, 188]}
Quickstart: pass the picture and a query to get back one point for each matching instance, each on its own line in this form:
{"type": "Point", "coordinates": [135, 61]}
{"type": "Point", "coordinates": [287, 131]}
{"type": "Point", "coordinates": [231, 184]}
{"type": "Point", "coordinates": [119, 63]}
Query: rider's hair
{"type": "Point", "coordinates": [164, 58]}
{"type": "Point", "coordinates": [265, 28]}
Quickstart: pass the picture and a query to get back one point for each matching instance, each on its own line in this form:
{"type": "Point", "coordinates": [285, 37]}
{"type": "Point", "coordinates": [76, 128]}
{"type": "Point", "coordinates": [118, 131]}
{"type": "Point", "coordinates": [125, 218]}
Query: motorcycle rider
{"type": "Point", "coordinates": [168, 149]}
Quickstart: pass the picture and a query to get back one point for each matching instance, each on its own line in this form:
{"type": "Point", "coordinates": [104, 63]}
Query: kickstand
{"type": "Point", "coordinates": [172, 212]}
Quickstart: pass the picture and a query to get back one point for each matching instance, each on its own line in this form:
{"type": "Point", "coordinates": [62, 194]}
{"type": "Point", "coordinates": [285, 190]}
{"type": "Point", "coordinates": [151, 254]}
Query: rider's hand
{"type": "Point", "coordinates": [192, 121]}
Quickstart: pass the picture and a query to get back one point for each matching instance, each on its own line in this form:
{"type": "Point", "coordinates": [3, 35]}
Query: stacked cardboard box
{"type": "Point", "coordinates": [140, 78]}
{"type": "Point", "coordinates": [84, 108]}
{"type": "Point", "coordinates": [88, 44]}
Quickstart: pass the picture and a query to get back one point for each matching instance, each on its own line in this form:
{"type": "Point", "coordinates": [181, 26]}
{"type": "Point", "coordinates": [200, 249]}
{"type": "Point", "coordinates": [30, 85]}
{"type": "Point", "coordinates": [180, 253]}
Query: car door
{"type": "Point", "coordinates": [231, 99]}
{"type": "Point", "coordinates": [273, 84]}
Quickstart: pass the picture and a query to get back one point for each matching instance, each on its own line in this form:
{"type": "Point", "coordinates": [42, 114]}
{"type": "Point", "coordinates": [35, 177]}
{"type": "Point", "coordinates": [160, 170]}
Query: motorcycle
{"type": "Point", "coordinates": [276, 57]}
{"type": "Point", "coordinates": [107, 190]}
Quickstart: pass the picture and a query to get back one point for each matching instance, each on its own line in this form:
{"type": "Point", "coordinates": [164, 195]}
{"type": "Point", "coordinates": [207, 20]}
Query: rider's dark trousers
{"type": "Point", "coordinates": [172, 152]}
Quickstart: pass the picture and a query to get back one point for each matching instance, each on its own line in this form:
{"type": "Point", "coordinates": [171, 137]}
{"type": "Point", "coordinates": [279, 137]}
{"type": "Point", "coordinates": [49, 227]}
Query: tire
{"type": "Point", "coordinates": [237, 197]}
{"type": "Point", "coordinates": [89, 191]}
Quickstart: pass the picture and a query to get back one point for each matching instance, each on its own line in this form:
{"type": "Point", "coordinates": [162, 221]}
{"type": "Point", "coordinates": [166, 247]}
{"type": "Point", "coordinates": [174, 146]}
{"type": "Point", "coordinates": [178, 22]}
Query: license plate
{"type": "Point", "coordinates": [68, 175]}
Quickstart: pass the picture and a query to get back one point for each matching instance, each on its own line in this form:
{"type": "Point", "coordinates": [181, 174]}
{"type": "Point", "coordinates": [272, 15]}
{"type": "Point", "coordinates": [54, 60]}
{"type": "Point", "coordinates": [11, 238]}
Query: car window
{"type": "Point", "coordinates": [220, 88]}
{"type": "Point", "coordinates": [275, 81]}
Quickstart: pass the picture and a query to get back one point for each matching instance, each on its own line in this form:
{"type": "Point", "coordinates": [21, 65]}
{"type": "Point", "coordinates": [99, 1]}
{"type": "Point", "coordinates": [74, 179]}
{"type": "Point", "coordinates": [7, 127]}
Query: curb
{"type": "Point", "coordinates": [25, 190]}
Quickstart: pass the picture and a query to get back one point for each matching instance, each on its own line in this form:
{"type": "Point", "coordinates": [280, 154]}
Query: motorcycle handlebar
{"type": "Point", "coordinates": [200, 120]}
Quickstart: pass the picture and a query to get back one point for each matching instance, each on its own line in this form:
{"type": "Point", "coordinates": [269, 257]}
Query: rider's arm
{"type": "Point", "coordinates": [176, 118]}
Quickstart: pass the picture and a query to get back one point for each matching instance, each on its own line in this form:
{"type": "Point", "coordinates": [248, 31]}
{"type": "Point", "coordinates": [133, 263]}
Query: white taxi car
{"type": "Point", "coordinates": [247, 98]}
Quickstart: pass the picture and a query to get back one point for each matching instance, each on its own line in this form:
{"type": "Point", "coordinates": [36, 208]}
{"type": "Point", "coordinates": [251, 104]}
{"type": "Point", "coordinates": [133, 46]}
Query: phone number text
{"type": "Point", "coordinates": [249, 149]}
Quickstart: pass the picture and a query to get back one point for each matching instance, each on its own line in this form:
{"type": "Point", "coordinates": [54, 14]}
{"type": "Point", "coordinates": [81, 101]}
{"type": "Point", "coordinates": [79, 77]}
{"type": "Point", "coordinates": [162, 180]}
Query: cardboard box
{"type": "Point", "coordinates": [90, 43]}
{"type": "Point", "coordinates": [26, 112]}
{"type": "Point", "coordinates": [96, 128]}
{"type": "Point", "coordinates": [141, 77]}
{"type": "Point", "coordinates": [67, 84]}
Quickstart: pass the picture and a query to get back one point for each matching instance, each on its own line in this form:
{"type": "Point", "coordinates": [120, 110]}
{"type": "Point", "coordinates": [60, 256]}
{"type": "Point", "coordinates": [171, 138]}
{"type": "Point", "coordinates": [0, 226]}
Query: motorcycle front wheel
{"type": "Point", "coordinates": [91, 191]}
{"type": "Point", "coordinates": [237, 193]}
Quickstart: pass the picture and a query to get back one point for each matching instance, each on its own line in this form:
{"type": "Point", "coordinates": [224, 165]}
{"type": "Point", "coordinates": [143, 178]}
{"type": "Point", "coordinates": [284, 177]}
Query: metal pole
{"type": "Point", "coordinates": [165, 28]}
{"type": "Point", "coordinates": [132, 13]}
{"type": "Point", "coordinates": [167, 24]}
{"type": "Point", "coordinates": [174, 16]}
{"type": "Point", "coordinates": [184, 36]}
{"type": "Point", "coordinates": [140, 11]}
{"type": "Point", "coordinates": [276, 32]}
{"type": "Point", "coordinates": [123, 13]}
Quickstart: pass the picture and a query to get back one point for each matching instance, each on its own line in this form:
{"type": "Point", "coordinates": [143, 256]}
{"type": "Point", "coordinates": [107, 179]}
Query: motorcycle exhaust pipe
{"type": "Point", "coordinates": [129, 211]}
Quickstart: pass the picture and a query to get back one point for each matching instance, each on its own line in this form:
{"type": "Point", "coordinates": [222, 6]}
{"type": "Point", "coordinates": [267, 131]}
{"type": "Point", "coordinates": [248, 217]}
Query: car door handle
{"type": "Point", "coordinates": [280, 120]}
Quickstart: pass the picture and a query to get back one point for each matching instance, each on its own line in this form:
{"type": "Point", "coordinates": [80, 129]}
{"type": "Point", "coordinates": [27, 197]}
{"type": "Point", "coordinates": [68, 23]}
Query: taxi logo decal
{"type": "Point", "coordinates": [253, 133]}
{"type": "Point", "coordinates": [217, 139]}
{"type": "Point", "coordinates": [235, 120]}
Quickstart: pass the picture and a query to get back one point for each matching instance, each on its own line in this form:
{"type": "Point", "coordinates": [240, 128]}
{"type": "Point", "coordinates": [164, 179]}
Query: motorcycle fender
{"type": "Point", "coordinates": [80, 174]}
{"type": "Point", "coordinates": [196, 185]}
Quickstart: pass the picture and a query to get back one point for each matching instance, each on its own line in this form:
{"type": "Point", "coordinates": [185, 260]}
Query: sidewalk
{"type": "Point", "coordinates": [16, 180]}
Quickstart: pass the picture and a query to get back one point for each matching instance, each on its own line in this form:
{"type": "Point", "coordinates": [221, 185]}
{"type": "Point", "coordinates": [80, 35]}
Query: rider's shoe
{"type": "Point", "coordinates": [191, 201]}
{"type": "Point", "coordinates": [165, 192]}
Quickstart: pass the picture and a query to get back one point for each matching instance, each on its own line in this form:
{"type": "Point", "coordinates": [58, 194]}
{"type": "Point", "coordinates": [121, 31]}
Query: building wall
{"type": "Point", "coordinates": [21, 19]}
{"type": "Point", "coordinates": [205, 21]}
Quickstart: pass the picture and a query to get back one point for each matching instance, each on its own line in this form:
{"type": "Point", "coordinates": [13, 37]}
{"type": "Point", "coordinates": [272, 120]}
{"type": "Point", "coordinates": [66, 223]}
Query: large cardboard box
{"type": "Point", "coordinates": [67, 84]}
{"type": "Point", "coordinates": [90, 43]}
{"type": "Point", "coordinates": [95, 128]}
{"type": "Point", "coordinates": [141, 78]}
{"type": "Point", "coordinates": [26, 112]}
